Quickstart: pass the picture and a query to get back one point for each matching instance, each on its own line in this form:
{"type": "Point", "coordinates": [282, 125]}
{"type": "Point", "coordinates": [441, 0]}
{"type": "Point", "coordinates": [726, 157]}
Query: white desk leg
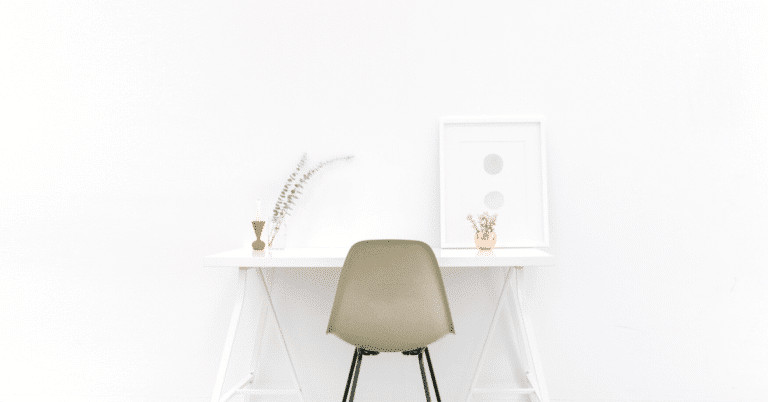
{"type": "Point", "coordinates": [261, 330]}
{"type": "Point", "coordinates": [528, 351]}
{"type": "Point", "coordinates": [494, 320]}
{"type": "Point", "coordinates": [234, 321]}
{"type": "Point", "coordinates": [527, 342]}
{"type": "Point", "coordinates": [265, 288]}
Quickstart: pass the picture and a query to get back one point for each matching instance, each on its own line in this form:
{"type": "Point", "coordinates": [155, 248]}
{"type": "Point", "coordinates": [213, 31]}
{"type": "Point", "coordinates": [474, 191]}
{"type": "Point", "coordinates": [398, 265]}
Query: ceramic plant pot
{"type": "Point", "coordinates": [485, 244]}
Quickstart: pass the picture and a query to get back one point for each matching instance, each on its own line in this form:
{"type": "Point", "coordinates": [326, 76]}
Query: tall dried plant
{"type": "Point", "coordinates": [293, 189]}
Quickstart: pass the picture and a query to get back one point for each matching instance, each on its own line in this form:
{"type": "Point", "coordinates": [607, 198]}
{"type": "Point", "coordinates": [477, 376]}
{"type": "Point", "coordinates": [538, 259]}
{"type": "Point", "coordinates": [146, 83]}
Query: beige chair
{"type": "Point", "coordinates": [390, 298]}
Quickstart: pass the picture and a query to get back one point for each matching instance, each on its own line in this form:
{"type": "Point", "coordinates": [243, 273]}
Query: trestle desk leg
{"type": "Point", "coordinates": [494, 320]}
{"type": "Point", "coordinates": [526, 342]}
{"type": "Point", "coordinates": [265, 288]}
{"type": "Point", "coordinates": [234, 321]}
{"type": "Point", "coordinates": [261, 330]}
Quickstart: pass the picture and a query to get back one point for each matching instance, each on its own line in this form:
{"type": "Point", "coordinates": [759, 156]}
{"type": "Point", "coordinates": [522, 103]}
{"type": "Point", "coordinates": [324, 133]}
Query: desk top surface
{"type": "Point", "coordinates": [334, 257]}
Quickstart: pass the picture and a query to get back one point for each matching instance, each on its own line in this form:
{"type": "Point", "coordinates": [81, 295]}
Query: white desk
{"type": "Point", "coordinates": [245, 258]}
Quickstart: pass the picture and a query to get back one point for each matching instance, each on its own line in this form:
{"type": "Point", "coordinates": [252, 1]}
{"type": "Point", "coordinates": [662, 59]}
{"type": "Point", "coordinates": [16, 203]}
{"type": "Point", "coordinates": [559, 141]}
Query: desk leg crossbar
{"type": "Point", "coordinates": [240, 387]}
{"type": "Point", "coordinates": [526, 343]}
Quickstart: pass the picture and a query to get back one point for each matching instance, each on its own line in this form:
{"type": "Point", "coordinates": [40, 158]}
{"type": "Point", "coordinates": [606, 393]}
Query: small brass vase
{"type": "Point", "coordinates": [258, 227]}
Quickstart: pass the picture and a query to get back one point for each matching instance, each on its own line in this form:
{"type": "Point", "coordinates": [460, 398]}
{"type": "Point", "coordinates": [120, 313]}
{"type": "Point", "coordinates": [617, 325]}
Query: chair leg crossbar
{"type": "Point", "coordinates": [357, 359]}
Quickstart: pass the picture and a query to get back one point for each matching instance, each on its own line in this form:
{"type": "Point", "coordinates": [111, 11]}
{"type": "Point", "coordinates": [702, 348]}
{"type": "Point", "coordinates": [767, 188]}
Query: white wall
{"type": "Point", "coordinates": [137, 135]}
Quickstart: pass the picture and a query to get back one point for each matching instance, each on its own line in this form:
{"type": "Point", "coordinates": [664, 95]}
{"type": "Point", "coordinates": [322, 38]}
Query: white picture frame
{"type": "Point", "coordinates": [494, 164]}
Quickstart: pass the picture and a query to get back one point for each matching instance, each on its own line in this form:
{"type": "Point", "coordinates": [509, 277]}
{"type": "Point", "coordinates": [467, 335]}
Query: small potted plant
{"type": "Point", "coordinates": [485, 237]}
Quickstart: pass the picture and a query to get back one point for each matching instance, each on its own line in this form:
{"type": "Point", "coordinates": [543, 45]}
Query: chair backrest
{"type": "Point", "coordinates": [390, 297]}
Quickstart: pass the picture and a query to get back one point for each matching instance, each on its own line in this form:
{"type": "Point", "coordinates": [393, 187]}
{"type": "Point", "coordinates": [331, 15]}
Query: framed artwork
{"type": "Point", "coordinates": [494, 165]}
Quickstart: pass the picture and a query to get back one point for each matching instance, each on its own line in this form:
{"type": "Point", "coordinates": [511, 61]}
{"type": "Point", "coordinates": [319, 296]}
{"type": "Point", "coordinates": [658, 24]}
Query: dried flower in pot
{"type": "Point", "coordinates": [485, 236]}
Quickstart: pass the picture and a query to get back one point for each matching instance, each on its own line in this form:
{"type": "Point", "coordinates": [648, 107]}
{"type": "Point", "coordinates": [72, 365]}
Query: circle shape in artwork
{"type": "Point", "coordinates": [493, 163]}
{"type": "Point", "coordinates": [494, 200]}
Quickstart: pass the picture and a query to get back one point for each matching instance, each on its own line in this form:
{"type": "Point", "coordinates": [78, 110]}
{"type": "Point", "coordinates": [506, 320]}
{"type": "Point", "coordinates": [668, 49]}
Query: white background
{"type": "Point", "coordinates": [137, 135]}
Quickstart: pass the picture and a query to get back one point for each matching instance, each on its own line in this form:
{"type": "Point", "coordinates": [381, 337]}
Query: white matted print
{"type": "Point", "coordinates": [494, 165]}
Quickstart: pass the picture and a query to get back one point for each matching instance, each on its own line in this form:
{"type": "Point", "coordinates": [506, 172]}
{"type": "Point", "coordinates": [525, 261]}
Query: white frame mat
{"type": "Point", "coordinates": [495, 165]}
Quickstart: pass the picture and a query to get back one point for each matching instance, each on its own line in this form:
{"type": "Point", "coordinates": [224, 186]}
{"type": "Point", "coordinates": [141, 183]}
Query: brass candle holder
{"type": "Point", "coordinates": [258, 227]}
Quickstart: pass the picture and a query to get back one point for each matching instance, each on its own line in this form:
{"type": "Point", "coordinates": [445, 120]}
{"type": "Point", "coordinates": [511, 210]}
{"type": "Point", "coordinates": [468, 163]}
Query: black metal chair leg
{"type": "Point", "coordinates": [423, 376]}
{"type": "Point", "coordinates": [357, 373]}
{"type": "Point", "coordinates": [349, 377]}
{"type": "Point", "coordinates": [432, 373]}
